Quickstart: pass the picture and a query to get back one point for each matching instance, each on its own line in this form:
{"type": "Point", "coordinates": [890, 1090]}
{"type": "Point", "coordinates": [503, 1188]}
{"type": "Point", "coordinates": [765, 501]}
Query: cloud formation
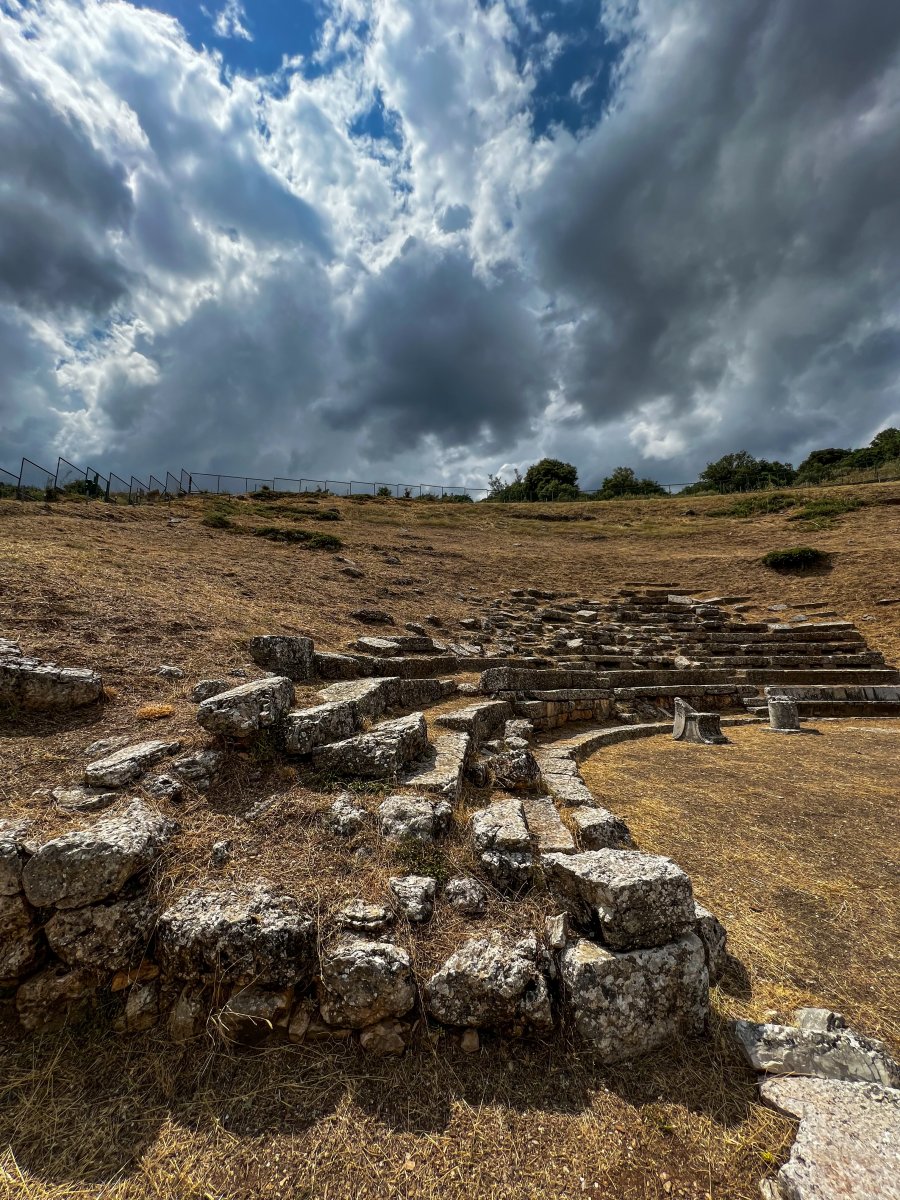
{"type": "Point", "coordinates": [371, 263]}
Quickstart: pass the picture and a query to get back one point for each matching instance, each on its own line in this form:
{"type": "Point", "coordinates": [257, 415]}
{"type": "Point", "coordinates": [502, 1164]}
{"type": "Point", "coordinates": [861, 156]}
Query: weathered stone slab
{"type": "Point", "coordinates": [13, 856]}
{"type": "Point", "coordinates": [55, 997]}
{"type": "Point", "coordinates": [631, 900]}
{"type": "Point", "coordinates": [503, 844]}
{"type": "Point", "coordinates": [340, 666]}
{"type": "Point", "coordinates": [379, 754]}
{"type": "Point", "coordinates": [20, 937]}
{"type": "Point", "coordinates": [125, 765]}
{"type": "Point", "coordinates": [370, 698]}
{"type": "Point", "coordinates": [837, 1054]}
{"type": "Point", "coordinates": [363, 982]}
{"type": "Point", "coordinates": [546, 827]}
{"type": "Point", "coordinates": [258, 937]}
{"type": "Point", "coordinates": [478, 720]}
{"type": "Point", "coordinates": [33, 685]}
{"type": "Point", "coordinates": [92, 864]}
{"type": "Point", "coordinates": [306, 728]}
{"type": "Point", "coordinates": [848, 1143]}
{"type": "Point", "coordinates": [443, 766]}
{"type": "Point", "coordinates": [383, 647]}
{"type": "Point", "coordinates": [493, 983]}
{"type": "Point", "coordinates": [712, 934]}
{"type": "Point", "coordinates": [629, 1003]}
{"type": "Point", "coordinates": [247, 709]}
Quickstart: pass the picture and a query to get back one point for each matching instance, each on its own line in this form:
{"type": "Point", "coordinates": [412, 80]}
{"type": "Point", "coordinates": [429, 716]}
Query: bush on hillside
{"type": "Point", "coordinates": [624, 482]}
{"type": "Point", "coordinates": [798, 558]}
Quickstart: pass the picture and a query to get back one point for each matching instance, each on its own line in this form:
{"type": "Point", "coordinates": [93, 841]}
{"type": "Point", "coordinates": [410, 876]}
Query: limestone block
{"type": "Point", "coordinates": [363, 982]}
{"type": "Point", "coordinates": [248, 709]}
{"type": "Point", "coordinates": [493, 982]}
{"type": "Point", "coordinates": [629, 1003]}
{"type": "Point", "coordinates": [288, 656]}
{"type": "Point", "coordinates": [125, 765]}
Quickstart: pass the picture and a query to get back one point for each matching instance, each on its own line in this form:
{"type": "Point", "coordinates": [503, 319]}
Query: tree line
{"type": "Point", "coordinates": [551, 479]}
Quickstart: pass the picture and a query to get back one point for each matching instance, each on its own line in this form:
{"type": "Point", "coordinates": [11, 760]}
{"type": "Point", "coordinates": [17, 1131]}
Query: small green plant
{"type": "Point", "coordinates": [217, 520]}
{"type": "Point", "coordinates": [798, 558]}
{"type": "Point", "coordinates": [385, 493]}
{"type": "Point", "coordinates": [419, 859]}
{"type": "Point", "coordinates": [756, 505]}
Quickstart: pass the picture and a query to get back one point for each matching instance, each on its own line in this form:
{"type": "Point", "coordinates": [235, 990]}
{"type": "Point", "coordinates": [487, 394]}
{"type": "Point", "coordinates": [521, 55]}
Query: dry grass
{"type": "Point", "coordinates": [154, 712]}
{"type": "Point", "coordinates": [793, 842]}
{"type": "Point", "coordinates": [90, 1113]}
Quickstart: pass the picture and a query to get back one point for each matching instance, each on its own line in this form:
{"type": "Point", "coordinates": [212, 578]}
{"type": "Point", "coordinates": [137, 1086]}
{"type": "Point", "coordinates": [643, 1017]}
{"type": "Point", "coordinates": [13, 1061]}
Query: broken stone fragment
{"type": "Point", "coordinates": [599, 829]}
{"type": "Point", "coordinates": [167, 671]}
{"type": "Point", "coordinates": [846, 1145]}
{"type": "Point", "coordinates": [141, 1008]}
{"type": "Point", "coordinates": [712, 934]}
{"type": "Point", "coordinates": [466, 895]}
{"type": "Point", "coordinates": [199, 768]}
{"type": "Point", "coordinates": [306, 728]}
{"type": "Point", "coordinates": [248, 709]}
{"type": "Point", "coordinates": [630, 899]}
{"type": "Point", "coordinates": [163, 787]}
{"type": "Point", "coordinates": [204, 688]}
{"type": "Point", "coordinates": [289, 656]}
{"type": "Point", "coordinates": [251, 1014]}
{"type": "Point", "coordinates": [55, 997]}
{"type": "Point", "coordinates": [372, 616]}
{"type": "Point", "coordinates": [387, 1038]}
{"type": "Point", "coordinates": [363, 982]}
{"type": "Point", "coordinates": [254, 937]}
{"type": "Point", "coordinates": [413, 818]}
{"type": "Point", "coordinates": [358, 916]}
{"type": "Point", "coordinates": [345, 818]}
{"type": "Point", "coordinates": [187, 1019]}
{"type": "Point", "coordinates": [415, 895]}
{"type": "Point", "coordinates": [103, 937]}
{"type": "Point", "coordinates": [839, 1054]}
{"type": "Point", "coordinates": [125, 765]}
{"type": "Point", "coordinates": [82, 799]}
{"type": "Point", "coordinates": [515, 770]}
{"type": "Point", "coordinates": [13, 857]}
{"type": "Point", "coordinates": [629, 1003]}
{"type": "Point", "coordinates": [20, 937]}
{"type": "Point", "coordinates": [494, 983]}
{"type": "Point", "coordinates": [92, 864]}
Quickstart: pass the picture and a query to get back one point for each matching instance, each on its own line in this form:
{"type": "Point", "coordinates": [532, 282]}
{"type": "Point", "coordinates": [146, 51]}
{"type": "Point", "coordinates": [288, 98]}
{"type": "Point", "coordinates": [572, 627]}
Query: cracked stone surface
{"type": "Point", "coordinates": [493, 982]}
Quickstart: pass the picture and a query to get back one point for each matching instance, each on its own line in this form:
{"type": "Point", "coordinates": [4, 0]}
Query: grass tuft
{"type": "Point", "coordinates": [798, 558]}
{"type": "Point", "coordinates": [154, 712]}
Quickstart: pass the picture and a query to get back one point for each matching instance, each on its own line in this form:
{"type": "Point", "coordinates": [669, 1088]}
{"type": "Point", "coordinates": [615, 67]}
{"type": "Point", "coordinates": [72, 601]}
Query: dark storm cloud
{"type": "Point", "coordinates": [59, 201]}
{"type": "Point", "coordinates": [434, 350]}
{"type": "Point", "coordinates": [731, 231]}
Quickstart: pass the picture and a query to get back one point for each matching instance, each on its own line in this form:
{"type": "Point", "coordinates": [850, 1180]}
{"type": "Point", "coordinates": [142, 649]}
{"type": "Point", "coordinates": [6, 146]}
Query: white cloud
{"type": "Point", "coordinates": [229, 22]}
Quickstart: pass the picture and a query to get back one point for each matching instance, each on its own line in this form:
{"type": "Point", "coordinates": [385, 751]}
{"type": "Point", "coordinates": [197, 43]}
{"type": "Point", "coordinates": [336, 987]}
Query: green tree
{"type": "Point", "coordinates": [820, 464]}
{"type": "Point", "coordinates": [624, 482]}
{"type": "Point", "coordinates": [551, 479]}
{"type": "Point", "coordinates": [742, 472]}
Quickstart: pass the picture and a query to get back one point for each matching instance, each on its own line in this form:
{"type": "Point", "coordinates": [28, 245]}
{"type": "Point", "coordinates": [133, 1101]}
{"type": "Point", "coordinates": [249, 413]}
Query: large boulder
{"type": "Point", "coordinates": [413, 818]}
{"type": "Point", "coordinates": [379, 754]}
{"type": "Point", "coordinates": [27, 683]}
{"type": "Point", "coordinates": [258, 937]}
{"type": "Point", "coordinates": [248, 709]}
{"type": "Point", "coordinates": [125, 765]}
{"type": "Point", "coordinates": [503, 844]}
{"type": "Point", "coordinates": [363, 982]}
{"type": "Point", "coordinates": [92, 864]}
{"type": "Point", "coordinates": [626, 1004]}
{"type": "Point", "coordinates": [284, 655]}
{"type": "Point", "coordinates": [103, 937]}
{"type": "Point", "coordinates": [493, 982]}
{"type": "Point", "coordinates": [630, 899]}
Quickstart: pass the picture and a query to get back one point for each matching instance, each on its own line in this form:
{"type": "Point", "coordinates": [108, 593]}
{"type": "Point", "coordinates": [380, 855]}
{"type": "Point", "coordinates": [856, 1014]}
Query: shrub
{"type": "Point", "coordinates": [825, 507]}
{"type": "Point", "coordinates": [216, 520]}
{"type": "Point", "coordinates": [315, 541]}
{"type": "Point", "coordinates": [754, 506]}
{"type": "Point", "coordinates": [798, 558]}
{"type": "Point", "coordinates": [385, 492]}
{"type": "Point", "coordinates": [455, 498]}
{"type": "Point", "coordinates": [624, 482]}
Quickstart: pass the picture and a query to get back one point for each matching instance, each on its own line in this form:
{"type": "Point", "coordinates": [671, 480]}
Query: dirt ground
{"type": "Point", "coordinates": [798, 865]}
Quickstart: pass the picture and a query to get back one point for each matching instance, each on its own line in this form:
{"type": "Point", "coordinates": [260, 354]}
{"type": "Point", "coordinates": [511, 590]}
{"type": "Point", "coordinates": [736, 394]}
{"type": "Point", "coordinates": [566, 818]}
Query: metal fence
{"type": "Point", "coordinates": [33, 479]}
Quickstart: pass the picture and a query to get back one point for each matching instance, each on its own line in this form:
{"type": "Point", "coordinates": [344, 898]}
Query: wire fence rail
{"type": "Point", "coordinates": [35, 481]}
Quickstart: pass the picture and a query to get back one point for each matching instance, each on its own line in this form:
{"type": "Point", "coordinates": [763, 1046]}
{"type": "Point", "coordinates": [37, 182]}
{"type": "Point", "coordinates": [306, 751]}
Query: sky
{"type": "Point", "coordinates": [431, 241]}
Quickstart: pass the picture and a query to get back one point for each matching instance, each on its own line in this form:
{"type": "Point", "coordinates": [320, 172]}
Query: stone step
{"type": "Point", "coordinates": [545, 826]}
{"type": "Point", "coordinates": [478, 720]}
{"type": "Point", "coordinates": [872, 676]}
{"type": "Point", "coordinates": [442, 769]}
